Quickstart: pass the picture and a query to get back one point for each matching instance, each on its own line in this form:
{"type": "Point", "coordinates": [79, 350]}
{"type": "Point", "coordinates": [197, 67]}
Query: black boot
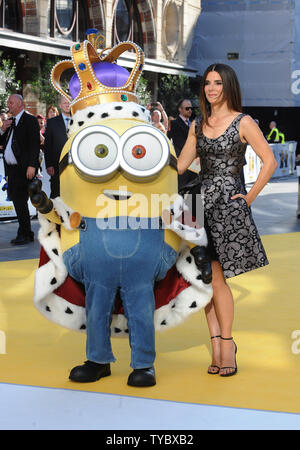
{"type": "Point", "coordinates": [89, 371]}
{"type": "Point", "coordinates": [142, 377]}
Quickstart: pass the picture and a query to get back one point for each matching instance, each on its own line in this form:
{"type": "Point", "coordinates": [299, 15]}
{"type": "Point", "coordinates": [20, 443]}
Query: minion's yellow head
{"type": "Point", "coordinates": [118, 167]}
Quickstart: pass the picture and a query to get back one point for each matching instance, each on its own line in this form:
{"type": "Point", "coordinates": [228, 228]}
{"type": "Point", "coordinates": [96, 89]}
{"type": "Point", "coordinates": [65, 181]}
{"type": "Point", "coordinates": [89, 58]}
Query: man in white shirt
{"type": "Point", "coordinates": [21, 144]}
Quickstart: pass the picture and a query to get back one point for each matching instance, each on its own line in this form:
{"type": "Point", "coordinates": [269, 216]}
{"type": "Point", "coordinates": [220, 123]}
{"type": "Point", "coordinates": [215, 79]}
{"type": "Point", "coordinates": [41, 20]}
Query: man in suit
{"type": "Point", "coordinates": [55, 139]}
{"type": "Point", "coordinates": [21, 147]}
{"type": "Point", "coordinates": [179, 130]}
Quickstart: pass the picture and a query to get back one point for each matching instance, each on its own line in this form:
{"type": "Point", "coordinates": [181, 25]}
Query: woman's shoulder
{"type": "Point", "coordinates": [247, 120]}
{"type": "Point", "coordinates": [248, 126]}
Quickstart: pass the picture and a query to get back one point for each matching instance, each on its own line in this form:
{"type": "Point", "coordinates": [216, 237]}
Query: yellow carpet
{"type": "Point", "coordinates": [40, 353]}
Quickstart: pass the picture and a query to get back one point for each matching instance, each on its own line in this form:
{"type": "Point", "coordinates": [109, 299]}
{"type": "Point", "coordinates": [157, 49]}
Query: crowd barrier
{"type": "Point", "coordinates": [284, 155]}
{"type": "Point", "coordinates": [298, 174]}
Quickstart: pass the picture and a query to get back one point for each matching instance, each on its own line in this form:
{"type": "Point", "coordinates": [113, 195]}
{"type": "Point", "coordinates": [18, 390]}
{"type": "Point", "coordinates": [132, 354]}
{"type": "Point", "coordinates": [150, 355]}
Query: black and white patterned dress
{"type": "Point", "coordinates": [233, 237]}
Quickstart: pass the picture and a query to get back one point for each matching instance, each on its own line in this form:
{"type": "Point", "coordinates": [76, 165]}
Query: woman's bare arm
{"type": "Point", "coordinates": [251, 133]}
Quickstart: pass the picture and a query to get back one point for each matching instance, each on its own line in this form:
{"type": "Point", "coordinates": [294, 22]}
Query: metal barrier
{"type": "Point", "coordinates": [284, 155]}
{"type": "Point", "coordinates": [298, 174]}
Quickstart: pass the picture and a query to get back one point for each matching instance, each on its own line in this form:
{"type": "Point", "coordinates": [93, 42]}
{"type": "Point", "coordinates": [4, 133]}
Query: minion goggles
{"type": "Point", "coordinates": [98, 152]}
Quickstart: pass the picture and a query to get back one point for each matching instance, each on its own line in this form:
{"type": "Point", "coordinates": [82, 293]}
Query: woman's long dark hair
{"type": "Point", "coordinates": [231, 91]}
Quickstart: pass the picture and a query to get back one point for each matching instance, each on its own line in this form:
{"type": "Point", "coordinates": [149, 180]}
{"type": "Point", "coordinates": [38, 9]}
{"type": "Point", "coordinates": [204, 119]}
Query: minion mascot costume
{"type": "Point", "coordinates": [109, 265]}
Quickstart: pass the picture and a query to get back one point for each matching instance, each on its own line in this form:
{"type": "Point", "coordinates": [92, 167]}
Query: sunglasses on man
{"type": "Point", "coordinates": [187, 108]}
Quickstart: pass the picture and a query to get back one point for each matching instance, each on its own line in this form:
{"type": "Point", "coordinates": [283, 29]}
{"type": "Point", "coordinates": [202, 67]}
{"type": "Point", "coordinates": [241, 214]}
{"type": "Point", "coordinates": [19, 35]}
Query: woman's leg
{"type": "Point", "coordinates": [219, 314]}
{"type": "Point", "coordinates": [214, 331]}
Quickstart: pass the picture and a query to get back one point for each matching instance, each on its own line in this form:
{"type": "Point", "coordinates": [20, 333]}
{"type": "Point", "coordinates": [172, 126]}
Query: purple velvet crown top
{"type": "Point", "coordinates": [108, 74]}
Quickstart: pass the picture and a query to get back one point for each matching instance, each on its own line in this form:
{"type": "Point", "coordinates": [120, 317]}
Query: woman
{"type": "Point", "coordinates": [42, 122]}
{"type": "Point", "coordinates": [156, 120]}
{"type": "Point", "coordinates": [220, 141]}
{"type": "Point", "coordinates": [159, 117]}
{"type": "Point", "coordinates": [52, 111]}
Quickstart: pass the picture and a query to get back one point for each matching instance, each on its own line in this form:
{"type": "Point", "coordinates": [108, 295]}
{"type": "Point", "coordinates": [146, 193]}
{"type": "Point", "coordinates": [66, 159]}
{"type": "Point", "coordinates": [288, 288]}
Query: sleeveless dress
{"type": "Point", "coordinates": [232, 234]}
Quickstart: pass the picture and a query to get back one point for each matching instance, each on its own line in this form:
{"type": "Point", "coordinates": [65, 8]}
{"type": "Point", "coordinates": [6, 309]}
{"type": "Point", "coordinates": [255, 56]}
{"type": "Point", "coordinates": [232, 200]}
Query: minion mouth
{"type": "Point", "coordinates": [117, 195]}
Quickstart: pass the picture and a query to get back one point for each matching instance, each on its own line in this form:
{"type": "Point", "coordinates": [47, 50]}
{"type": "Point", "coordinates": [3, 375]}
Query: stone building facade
{"type": "Point", "coordinates": [31, 30]}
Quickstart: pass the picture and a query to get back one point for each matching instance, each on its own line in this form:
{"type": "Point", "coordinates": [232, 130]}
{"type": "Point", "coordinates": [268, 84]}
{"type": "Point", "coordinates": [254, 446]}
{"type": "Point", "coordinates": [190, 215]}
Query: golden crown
{"type": "Point", "coordinates": [92, 91]}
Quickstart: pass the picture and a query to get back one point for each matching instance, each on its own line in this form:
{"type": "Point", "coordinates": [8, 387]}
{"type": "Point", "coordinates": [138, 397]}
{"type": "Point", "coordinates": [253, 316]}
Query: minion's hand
{"type": "Point", "coordinates": [39, 198]}
{"type": "Point", "coordinates": [45, 205]}
{"type": "Point", "coordinates": [203, 263]}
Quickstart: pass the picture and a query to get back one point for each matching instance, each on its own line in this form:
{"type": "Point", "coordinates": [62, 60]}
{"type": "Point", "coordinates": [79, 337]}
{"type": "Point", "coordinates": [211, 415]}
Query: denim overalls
{"type": "Point", "coordinates": [111, 256]}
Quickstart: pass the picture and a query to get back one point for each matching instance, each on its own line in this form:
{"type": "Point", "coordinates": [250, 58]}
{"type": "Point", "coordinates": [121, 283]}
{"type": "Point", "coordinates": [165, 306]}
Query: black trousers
{"type": "Point", "coordinates": [18, 193]}
{"type": "Point", "coordinates": [54, 183]}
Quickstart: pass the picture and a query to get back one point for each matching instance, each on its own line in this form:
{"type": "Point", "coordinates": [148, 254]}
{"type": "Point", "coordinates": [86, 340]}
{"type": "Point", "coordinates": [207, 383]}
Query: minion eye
{"type": "Point", "coordinates": [138, 151]}
{"type": "Point", "coordinates": [101, 151]}
{"type": "Point", "coordinates": [94, 152]}
{"type": "Point", "coordinates": [145, 151]}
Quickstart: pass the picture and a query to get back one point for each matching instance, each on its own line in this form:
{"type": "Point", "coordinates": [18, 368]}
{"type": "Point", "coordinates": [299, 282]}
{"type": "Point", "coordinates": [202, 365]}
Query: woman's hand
{"type": "Point", "coordinates": [241, 196]}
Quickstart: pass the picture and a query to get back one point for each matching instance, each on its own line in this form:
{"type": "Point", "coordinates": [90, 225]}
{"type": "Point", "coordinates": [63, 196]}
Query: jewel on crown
{"type": "Point", "coordinates": [97, 78]}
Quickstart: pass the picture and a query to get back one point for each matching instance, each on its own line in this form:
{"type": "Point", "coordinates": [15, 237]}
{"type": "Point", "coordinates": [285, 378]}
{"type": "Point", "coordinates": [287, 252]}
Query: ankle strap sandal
{"type": "Point", "coordinates": [235, 369]}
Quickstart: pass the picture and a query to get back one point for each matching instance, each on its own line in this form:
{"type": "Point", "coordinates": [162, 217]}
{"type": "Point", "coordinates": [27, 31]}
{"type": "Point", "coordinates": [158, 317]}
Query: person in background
{"type": "Point", "coordinates": [297, 152]}
{"type": "Point", "coordinates": [281, 136]}
{"type": "Point", "coordinates": [52, 111]}
{"type": "Point", "coordinates": [3, 118]}
{"type": "Point", "coordinates": [156, 120]}
{"type": "Point", "coordinates": [170, 118]}
{"type": "Point", "coordinates": [21, 143]}
{"type": "Point", "coordinates": [159, 117]}
{"type": "Point", "coordinates": [178, 133]}
{"type": "Point", "coordinates": [273, 135]}
{"type": "Point", "coordinates": [55, 139]}
{"type": "Point", "coordinates": [42, 122]}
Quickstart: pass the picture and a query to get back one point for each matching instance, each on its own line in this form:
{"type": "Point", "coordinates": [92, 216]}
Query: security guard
{"type": "Point", "coordinates": [273, 136]}
{"type": "Point", "coordinates": [281, 137]}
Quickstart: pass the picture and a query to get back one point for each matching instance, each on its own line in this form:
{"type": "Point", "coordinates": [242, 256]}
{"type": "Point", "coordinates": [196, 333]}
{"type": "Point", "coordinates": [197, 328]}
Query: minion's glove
{"type": "Point", "coordinates": [203, 263]}
{"type": "Point", "coordinates": [174, 219]}
{"type": "Point", "coordinates": [39, 198]}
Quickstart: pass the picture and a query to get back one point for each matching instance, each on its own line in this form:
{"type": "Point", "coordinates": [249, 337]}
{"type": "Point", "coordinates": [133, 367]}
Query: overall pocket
{"type": "Point", "coordinates": [73, 261]}
{"type": "Point", "coordinates": [121, 243]}
{"type": "Point", "coordinates": [168, 258]}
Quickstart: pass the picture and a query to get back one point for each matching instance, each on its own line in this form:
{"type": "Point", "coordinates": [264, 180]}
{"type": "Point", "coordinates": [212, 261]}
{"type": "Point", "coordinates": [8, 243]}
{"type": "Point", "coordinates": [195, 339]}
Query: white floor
{"type": "Point", "coordinates": [35, 408]}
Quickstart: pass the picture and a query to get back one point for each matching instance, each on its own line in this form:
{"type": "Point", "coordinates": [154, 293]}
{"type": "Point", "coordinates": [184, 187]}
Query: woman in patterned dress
{"type": "Point", "coordinates": [220, 140]}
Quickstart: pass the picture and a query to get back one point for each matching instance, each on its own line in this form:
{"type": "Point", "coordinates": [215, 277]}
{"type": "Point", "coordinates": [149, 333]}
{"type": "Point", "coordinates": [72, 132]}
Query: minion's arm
{"type": "Point", "coordinates": [44, 205]}
{"type": "Point", "coordinates": [52, 216]}
{"type": "Point", "coordinates": [41, 202]}
{"type": "Point", "coordinates": [196, 238]}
